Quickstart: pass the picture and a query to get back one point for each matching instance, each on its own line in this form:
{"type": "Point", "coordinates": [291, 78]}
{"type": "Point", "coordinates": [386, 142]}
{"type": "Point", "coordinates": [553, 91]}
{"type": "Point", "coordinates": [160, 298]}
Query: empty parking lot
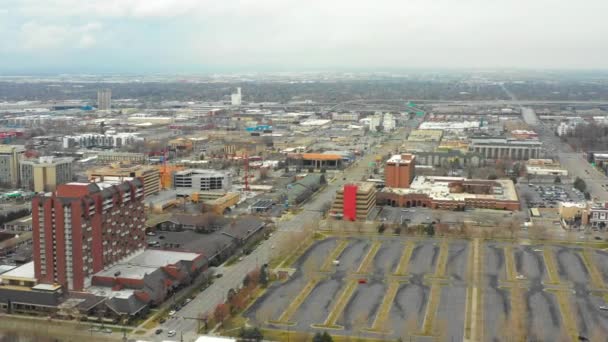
{"type": "Point", "coordinates": [389, 287]}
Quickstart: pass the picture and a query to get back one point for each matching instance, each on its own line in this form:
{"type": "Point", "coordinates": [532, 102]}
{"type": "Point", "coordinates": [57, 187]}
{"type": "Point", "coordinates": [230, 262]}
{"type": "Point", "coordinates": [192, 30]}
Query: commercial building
{"type": "Point", "coordinates": [10, 155]}
{"type": "Point", "coordinates": [506, 148]}
{"type": "Point", "coordinates": [453, 193]}
{"type": "Point", "coordinates": [598, 216]}
{"type": "Point", "coordinates": [449, 158]}
{"type": "Point", "coordinates": [452, 126]}
{"type": "Point", "coordinates": [121, 157]}
{"type": "Point", "coordinates": [425, 135]}
{"type": "Point", "coordinates": [348, 117]}
{"type": "Point", "coordinates": [317, 161]}
{"type": "Point", "coordinates": [399, 170]}
{"type": "Point", "coordinates": [545, 167]}
{"type": "Point", "coordinates": [388, 122]}
{"type": "Point", "coordinates": [354, 201]}
{"type": "Point", "coordinates": [236, 98]}
{"type": "Point", "coordinates": [202, 180]}
{"type": "Point", "coordinates": [104, 99]}
{"type": "Point", "coordinates": [301, 190]}
{"type": "Point", "coordinates": [84, 227]}
{"type": "Point", "coordinates": [45, 173]}
{"type": "Point", "coordinates": [121, 172]}
{"type": "Point", "coordinates": [89, 140]}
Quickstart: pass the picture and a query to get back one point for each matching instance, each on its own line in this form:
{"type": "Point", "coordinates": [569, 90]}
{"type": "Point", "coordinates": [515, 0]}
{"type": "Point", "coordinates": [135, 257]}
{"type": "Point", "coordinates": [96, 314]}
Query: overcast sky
{"type": "Point", "coordinates": [280, 35]}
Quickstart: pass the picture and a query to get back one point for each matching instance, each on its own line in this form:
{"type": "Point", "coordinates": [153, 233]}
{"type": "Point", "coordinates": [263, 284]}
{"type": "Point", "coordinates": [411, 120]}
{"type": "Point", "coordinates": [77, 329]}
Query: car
{"type": "Point", "coordinates": [172, 313]}
{"type": "Point", "coordinates": [178, 307]}
{"type": "Point", "coordinates": [158, 331]}
{"type": "Point", "coordinates": [107, 330]}
{"type": "Point", "coordinates": [604, 308]}
{"type": "Point", "coordinates": [171, 333]}
{"type": "Point", "coordinates": [162, 320]}
{"type": "Point", "coordinates": [150, 233]}
{"type": "Point", "coordinates": [362, 281]}
{"type": "Point", "coordinates": [161, 237]}
{"type": "Point", "coordinates": [597, 238]}
{"type": "Point", "coordinates": [219, 275]}
{"type": "Point", "coordinates": [188, 300]}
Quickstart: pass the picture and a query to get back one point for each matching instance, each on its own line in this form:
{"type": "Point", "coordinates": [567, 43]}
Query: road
{"type": "Point", "coordinates": [185, 320]}
{"type": "Point", "coordinates": [579, 167]}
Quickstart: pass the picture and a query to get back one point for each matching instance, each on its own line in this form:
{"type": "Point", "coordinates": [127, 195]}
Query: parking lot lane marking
{"type": "Point", "coordinates": [334, 255]}
{"type": "Point", "coordinates": [404, 261]}
{"type": "Point", "coordinates": [510, 263]}
{"type": "Point", "coordinates": [442, 259]}
{"type": "Point", "coordinates": [339, 305]}
{"type": "Point", "coordinates": [369, 257]}
{"type": "Point", "coordinates": [473, 309]}
{"type": "Point", "coordinates": [594, 273]}
{"type": "Point", "coordinates": [551, 265]}
{"type": "Point", "coordinates": [385, 307]}
{"type": "Point", "coordinates": [568, 319]}
{"type": "Point", "coordinates": [431, 309]}
{"type": "Point", "coordinates": [517, 316]}
{"type": "Point", "coordinates": [298, 300]}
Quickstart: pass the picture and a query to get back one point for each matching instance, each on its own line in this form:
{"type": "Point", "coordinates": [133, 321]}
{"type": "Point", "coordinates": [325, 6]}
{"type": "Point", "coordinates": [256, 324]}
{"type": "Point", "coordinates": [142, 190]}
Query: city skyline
{"type": "Point", "coordinates": [231, 36]}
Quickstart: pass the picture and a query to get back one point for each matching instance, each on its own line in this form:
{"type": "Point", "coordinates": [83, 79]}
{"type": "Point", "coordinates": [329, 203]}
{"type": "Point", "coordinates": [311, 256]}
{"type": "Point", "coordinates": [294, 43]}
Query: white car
{"type": "Point", "coordinates": [171, 333]}
{"type": "Point", "coordinates": [172, 313]}
{"type": "Point", "coordinates": [604, 308]}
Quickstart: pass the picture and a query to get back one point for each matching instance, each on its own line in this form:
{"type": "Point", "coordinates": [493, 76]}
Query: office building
{"type": "Point", "coordinates": [83, 228]}
{"type": "Point", "coordinates": [235, 99]}
{"type": "Point", "coordinates": [45, 173]}
{"type": "Point", "coordinates": [89, 140]}
{"type": "Point", "coordinates": [104, 99]}
{"type": "Point", "coordinates": [119, 172]}
{"type": "Point", "coordinates": [202, 180]}
{"type": "Point", "coordinates": [399, 170]}
{"type": "Point", "coordinates": [354, 201]}
{"type": "Point", "coordinates": [121, 157]}
{"type": "Point", "coordinates": [388, 122]}
{"type": "Point", "coordinates": [10, 155]}
{"type": "Point", "coordinates": [507, 148]}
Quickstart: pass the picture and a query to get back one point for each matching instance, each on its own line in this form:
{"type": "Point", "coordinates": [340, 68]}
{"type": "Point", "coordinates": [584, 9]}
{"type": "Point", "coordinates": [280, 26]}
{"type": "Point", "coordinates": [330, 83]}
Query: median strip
{"type": "Point", "coordinates": [369, 257]}
{"type": "Point", "coordinates": [404, 261]}
{"type": "Point", "coordinates": [339, 306]}
{"type": "Point", "coordinates": [334, 255]}
{"type": "Point", "coordinates": [568, 319]}
{"type": "Point", "coordinates": [385, 308]}
{"type": "Point", "coordinates": [431, 309]}
{"type": "Point", "coordinates": [551, 265]}
{"type": "Point", "coordinates": [594, 273]}
{"type": "Point", "coordinates": [298, 300]}
{"type": "Point", "coordinates": [442, 259]}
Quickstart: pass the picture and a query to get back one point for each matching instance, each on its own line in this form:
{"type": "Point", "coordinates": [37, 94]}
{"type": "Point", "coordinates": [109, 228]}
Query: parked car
{"type": "Point", "coordinates": [158, 331]}
{"type": "Point", "coordinates": [171, 333]}
{"type": "Point", "coordinates": [172, 313]}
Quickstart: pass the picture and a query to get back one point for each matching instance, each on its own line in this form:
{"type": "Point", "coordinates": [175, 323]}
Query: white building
{"type": "Point", "coordinates": [375, 121]}
{"type": "Point", "coordinates": [345, 116]}
{"type": "Point", "coordinates": [101, 140]}
{"type": "Point", "coordinates": [235, 99]}
{"type": "Point", "coordinates": [388, 122]}
{"type": "Point", "coordinates": [202, 180]}
{"type": "Point", "coordinates": [104, 99]}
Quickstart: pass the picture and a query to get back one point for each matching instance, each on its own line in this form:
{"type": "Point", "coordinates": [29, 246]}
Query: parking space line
{"type": "Point", "coordinates": [385, 307]}
{"type": "Point", "coordinates": [298, 300]}
{"type": "Point", "coordinates": [594, 273]}
{"type": "Point", "coordinates": [551, 265]}
{"type": "Point", "coordinates": [339, 305]}
{"type": "Point", "coordinates": [334, 255]}
{"type": "Point", "coordinates": [369, 257]}
{"type": "Point", "coordinates": [568, 319]}
{"type": "Point", "coordinates": [404, 261]}
{"type": "Point", "coordinates": [431, 309]}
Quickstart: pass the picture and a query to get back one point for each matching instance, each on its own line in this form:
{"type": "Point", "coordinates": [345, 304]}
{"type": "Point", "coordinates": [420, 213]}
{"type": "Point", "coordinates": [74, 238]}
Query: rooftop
{"type": "Point", "coordinates": [25, 271]}
{"type": "Point", "coordinates": [405, 158]}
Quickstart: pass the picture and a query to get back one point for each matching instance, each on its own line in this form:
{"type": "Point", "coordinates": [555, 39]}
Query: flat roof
{"type": "Point", "coordinates": [146, 262]}
{"type": "Point", "coordinates": [25, 271]}
{"type": "Point", "coordinates": [438, 188]}
{"type": "Point", "coordinates": [214, 339]}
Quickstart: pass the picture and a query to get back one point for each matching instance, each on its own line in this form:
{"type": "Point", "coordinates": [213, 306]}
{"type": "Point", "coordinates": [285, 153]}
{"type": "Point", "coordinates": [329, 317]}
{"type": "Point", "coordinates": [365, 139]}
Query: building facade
{"type": "Point", "coordinates": [122, 157]}
{"type": "Point", "coordinates": [202, 180]}
{"type": "Point", "coordinates": [101, 140]}
{"type": "Point", "coordinates": [399, 170]}
{"type": "Point", "coordinates": [149, 174]}
{"type": "Point", "coordinates": [104, 99]}
{"type": "Point", "coordinates": [507, 148]}
{"type": "Point", "coordinates": [10, 155]}
{"type": "Point", "coordinates": [45, 173]}
{"type": "Point", "coordinates": [85, 227]}
{"type": "Point", "coordinates": [354, 201]}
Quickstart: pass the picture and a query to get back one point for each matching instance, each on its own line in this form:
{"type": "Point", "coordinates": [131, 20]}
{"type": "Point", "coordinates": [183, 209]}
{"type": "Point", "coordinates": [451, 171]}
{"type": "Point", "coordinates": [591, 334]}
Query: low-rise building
{"type": "Point", "coordinates": [121, 157]}
{"type": "Point", "coordinates": [506, 148]}
{"type": "Point", "coordinates": [453, 193]}
{"type": "Point", "coordinates": [10, 155]}
{"type": "Point", "coordinates": [425, 135]}
{"type": "Point", "coordinates": [545, 167]}
{"type": "Point", "coordinates": [101, 140]}
{"type": "Point", "coordinates": [598, 217]}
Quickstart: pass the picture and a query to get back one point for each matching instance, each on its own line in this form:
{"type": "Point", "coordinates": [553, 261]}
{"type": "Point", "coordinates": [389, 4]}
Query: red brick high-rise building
{"type": "Point", "coordinates": [84, 227]}
{"type": "Point", "coordinates": [399, 171]}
